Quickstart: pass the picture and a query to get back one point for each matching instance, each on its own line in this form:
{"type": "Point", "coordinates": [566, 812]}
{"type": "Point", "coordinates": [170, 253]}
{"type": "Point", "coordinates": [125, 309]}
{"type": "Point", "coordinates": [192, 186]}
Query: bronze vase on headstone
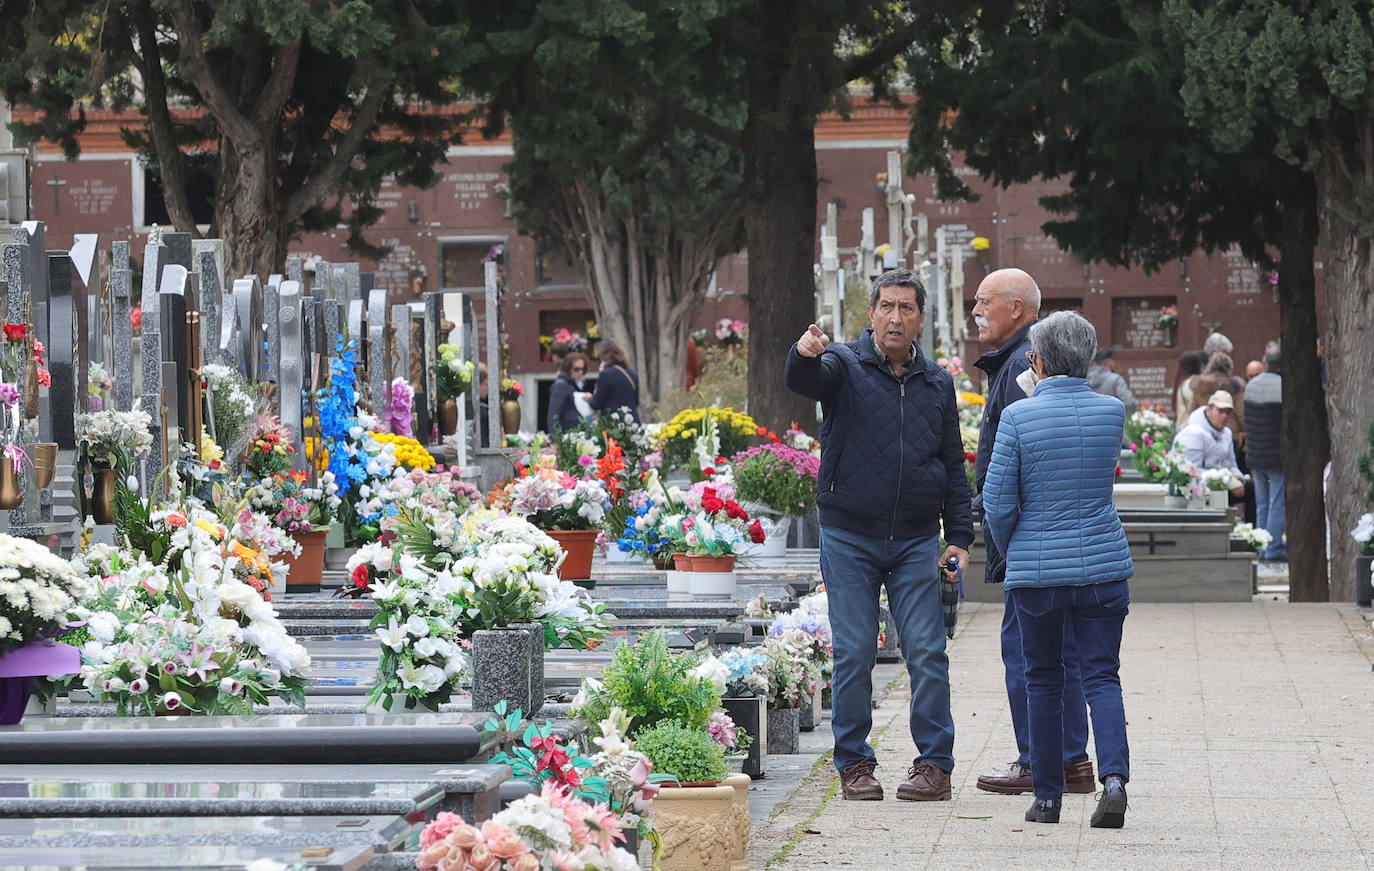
{"type": "Point", "coordinates": [44, 456]}
{"type": "Point", "coordinates": [11, 496]}
{"type": "Point", "coordinates": [448, 417]}
{"type": "Point", "coordinates": [510, 416]}
{"type": "Point", "coordinates": [102, 497]}
{"type": "Point", "coordinates": [31, 390]}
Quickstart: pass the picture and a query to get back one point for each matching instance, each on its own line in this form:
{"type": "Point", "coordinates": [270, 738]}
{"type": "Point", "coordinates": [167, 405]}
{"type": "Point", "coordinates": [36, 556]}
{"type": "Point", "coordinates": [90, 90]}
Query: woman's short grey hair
{"type": "Point", "coordinates": [1217, 342]}
{"type": "Point", "coordinates": [1065, 343]}
{"type": "Point", "coordinates": [1219, 363]}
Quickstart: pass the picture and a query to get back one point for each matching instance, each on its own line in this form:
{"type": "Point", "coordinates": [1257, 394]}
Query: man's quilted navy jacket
{"type": "Point", "coordinates": [892, 463]}
{"type": "Point", "coordinates": [1048, 495]}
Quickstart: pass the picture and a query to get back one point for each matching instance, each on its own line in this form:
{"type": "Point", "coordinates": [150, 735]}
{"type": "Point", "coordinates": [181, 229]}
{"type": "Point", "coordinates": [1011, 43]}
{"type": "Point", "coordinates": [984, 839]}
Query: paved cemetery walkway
{"type": "Point", "coordinates": [1252, 744]}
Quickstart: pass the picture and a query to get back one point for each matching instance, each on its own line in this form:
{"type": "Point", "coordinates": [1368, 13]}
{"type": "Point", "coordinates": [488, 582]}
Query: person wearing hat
{"type": "Point", "coordinates": [1207, 441]}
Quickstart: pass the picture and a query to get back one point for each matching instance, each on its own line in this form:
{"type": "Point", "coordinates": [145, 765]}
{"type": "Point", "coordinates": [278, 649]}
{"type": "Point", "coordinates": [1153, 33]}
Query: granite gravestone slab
{"type": "Point", "coordinates": [383, 833]}
{"type": "Point", "coordinates": [295, 269]}
{"type": "Point", "coordinates": [154, 259]}
{"type": "Point", "coordinates": [121, 328]}
{"type": "Point", "coordinates": [98, 858]}
{"type": "Point", "coordinates": [179, 248]}
{"type": "Point", "coordinates": [211, 302]}
{"type": "Point", "coordinates": [67, 332]}
{"type": "Point", "coordinates": [291, 373]}
{"type": "Point", "coordinates": [176, 357]}
{"type": "Point", "coordinates": [248, 304]}
{"type": "Point", "coordinates": [378, 361]}
{"type": "Point", "coordinates": [271, 309]}
{"type": "Point", "coordinates": [434, 313]}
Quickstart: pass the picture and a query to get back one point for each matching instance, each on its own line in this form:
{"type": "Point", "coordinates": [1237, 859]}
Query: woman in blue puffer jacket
{"type": "Point", "coordinates": [1048, 503]}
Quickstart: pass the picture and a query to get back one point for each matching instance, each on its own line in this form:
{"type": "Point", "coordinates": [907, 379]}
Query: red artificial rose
{"type": "Point", "coordinates": [761, 431]}
{"type": "Point", "coordinates": [136, 317]}
{"type": "Point", "coordinates": [733, 510]}
{"type": "Point", "coordinates": [360, 577]}
{"type": "Point", "coordinates": [720, 461]}
{"type": "Point", "coordinates": [15, 332]}
{"type": "Point", "coordinates": [756, 532]}
{"type": "Point", "coordinates": [44, 378]}
{"type": "Point", "coordinates": [708, 472]}
{"type": "Point", "coordinates": [710, 502]}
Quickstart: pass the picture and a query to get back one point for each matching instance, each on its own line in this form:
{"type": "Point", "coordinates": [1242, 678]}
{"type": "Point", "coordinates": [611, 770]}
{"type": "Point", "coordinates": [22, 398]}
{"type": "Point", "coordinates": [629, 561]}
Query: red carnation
{"type": "Point", "coordinates": [761, 431]}
{"type": "Point", "coordinates": [733, 510]}
{"type": "Point", "coordinates": [710, 502]}
{"type": "Point", "coordinates": [720, 461]}
{"type": "Point", "coordinates": [756, 532]}
{"type": "Point", "coordinates": [360, 577]}
{"type": "Point", "coordinates": [136, 317]}
{"type": "Point", "coordinates": [15, 332]}
{"type": "Point", "coordinates": [708, 472]}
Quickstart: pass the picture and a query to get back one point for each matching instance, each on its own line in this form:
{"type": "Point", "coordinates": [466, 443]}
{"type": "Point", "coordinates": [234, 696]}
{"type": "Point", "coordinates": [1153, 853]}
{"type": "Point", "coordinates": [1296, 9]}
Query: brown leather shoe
{"type": "Point", "coordinates": [1014, 781]}
{"type": "Point", "coordinates": [925, 782]}
{"type": "Point", "coordinates": [858, 783]}
{"type": "Point", "coordinates": [1078, 777]}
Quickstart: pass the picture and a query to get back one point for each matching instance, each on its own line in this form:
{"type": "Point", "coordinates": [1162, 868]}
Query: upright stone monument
{"type": "Point", "coordinates": [154, 259]}
{"type": "Point", "coordinates": [291, 374]}
{"type": "Point", "coordinates": [121, 329]}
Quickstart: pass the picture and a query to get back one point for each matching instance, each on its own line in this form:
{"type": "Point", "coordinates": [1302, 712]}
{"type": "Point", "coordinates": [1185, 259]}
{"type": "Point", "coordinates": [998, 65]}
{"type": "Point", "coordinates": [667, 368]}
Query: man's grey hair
{"type": "Point", "coordinates": [899, 277]}
{"type": "Point", "coordinates": [1273, 362]}
{"type": "Point", "coordinates": [1065, 343]}
{"type": "Point", "coordinates": [1217, 342]}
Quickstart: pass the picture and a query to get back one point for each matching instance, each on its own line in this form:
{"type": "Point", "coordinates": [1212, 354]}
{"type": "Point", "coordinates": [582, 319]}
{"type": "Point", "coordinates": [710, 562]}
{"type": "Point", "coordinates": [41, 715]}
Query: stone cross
{"type": "Point", "coordinates": [121, 329]}
{"type": "Point", "coordinates": [291, 372]}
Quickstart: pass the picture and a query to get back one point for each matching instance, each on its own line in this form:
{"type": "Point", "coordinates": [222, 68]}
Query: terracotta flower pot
{"type": "Point", "coordinates": [699, 563]}
{"type": "Point", "coordinates": [579, 544]}
{"type": "Point", "coordinates": [304, 571]}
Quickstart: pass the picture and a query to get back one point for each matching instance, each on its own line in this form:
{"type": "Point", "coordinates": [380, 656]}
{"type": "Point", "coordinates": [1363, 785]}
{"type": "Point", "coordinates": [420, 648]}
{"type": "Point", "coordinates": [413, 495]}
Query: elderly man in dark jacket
{"type": "Point", "coordinates": [1005, 306]}
{"type": "Point", "coordinates": [1263, 419]}
{"type": "Point", "coordinates": [892, 470]}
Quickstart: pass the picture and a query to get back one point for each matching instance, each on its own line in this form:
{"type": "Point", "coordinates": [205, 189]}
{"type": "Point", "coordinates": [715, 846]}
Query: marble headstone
{"type": "Point", "coordinates": [251, 326]}
{"type": "Point", "coordinates": [211, 302]}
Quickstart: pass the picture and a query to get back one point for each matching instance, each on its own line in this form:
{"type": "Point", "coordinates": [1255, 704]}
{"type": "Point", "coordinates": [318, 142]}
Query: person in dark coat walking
{"type": "Point", "coordinates": [1264, 417]}
{"type": "Point", "coordinates": [618, 385]}
{"type": "Point", "coordinates": [563, 413]}
{"type": "Point", "coordinates": [1005, 306]}
{"type": "Point", "coordinates": [892, 471]}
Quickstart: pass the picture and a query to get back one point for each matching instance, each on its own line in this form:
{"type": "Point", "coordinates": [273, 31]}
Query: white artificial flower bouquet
{"type": "Point", "coordinates": [108, 436]}
{"type": "Point", "coordinates": [1254, 539]}
{"type": "Point", "coordinates": [38, 591]}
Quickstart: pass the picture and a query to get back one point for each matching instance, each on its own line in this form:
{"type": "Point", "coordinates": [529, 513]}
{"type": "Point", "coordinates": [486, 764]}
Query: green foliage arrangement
{"type": "Point", "coordinates": [652, 685]}
{"type": "Point", "coordinates": [690, 755]}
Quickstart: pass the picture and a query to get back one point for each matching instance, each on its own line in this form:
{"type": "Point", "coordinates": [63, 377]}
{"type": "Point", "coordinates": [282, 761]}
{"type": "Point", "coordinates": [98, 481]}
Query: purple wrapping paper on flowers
{"type": "Point", "coordinates": [39, 659]}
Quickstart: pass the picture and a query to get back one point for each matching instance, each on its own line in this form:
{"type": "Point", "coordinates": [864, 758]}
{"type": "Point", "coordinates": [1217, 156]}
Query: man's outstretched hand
{"type": "Point", "coordinates": [812, 342]}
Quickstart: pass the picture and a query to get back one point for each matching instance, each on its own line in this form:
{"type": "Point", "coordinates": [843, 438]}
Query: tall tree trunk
{"type": "Point", "coordinates": [780, 226]}
{"type": "Point", "coordinates": [246, 212]}
{"type": "Point", "coordinates": [1306, 440]}
{"type": "Point", "coordinates": [1349, 272]}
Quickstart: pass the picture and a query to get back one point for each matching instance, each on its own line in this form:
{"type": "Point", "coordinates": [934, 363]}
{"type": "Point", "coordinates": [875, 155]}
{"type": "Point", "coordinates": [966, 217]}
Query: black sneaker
{"type": "Point", "coordinates": [1111, 807]}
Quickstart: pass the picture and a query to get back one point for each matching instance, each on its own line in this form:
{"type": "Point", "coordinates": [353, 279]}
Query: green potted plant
{"type": "Point", "coordinates": [697, 820]}
{"type": "Point", "coordinates": [652, 684]}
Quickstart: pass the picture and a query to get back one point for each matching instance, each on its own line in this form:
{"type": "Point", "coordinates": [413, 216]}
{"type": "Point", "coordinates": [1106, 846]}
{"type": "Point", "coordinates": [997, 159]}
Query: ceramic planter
{"type": "Point", "coordinates": [784, 730]}
{"type": "Point", "coordinates": [751, 714]}
{"type": "Point", "coordinates": [697, 827]}
{"type": "Point", "coordinates": [743, 823]}
{"type": "Point", "coordinates": [678, 582]}
{"type": "Point", "coordinates": [711, 585]}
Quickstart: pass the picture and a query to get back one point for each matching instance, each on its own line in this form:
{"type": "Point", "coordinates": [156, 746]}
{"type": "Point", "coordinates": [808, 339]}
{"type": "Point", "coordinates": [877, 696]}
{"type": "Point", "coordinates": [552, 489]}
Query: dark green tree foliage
{"type": "Point", "coordinates": [1087, 92]}
{"type": "Point", "coordinates": [308, 106]}
{"type": "Point", "coordinates": [1296, 75]}
{"type": "Point", "coordinates": [625, 159]}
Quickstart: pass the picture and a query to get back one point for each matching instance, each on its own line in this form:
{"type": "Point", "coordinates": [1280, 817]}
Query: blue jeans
{"type": "Point", "coordinates": [1096, 612]}
{"type": "Point", "coordinates": [1270, 513]}
{"type": "Point", "coordinates": [855, 568]}
{"type": "Point", "coordinates": [1075, 708]}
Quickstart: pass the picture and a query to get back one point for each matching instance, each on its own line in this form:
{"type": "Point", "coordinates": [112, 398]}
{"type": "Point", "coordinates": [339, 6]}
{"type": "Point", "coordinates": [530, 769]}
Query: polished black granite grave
{"type": "Point", "coordinates": [384, 834]}
{"type": "Point", "coordinates": [397, 738]}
